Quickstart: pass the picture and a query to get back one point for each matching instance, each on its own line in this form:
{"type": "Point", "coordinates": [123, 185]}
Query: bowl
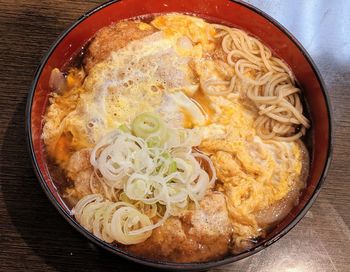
{"type": "Point", "coordinates": [227, 12]}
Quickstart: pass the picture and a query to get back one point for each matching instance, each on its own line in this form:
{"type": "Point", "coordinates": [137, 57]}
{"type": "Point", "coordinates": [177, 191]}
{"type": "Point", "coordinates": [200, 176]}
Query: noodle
{"type": "Point", "coordinates": [266, 81]}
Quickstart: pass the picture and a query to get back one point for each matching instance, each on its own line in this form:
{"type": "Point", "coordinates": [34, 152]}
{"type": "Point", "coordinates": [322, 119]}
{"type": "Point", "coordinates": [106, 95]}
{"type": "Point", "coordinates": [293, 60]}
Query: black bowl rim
{"type": "Point", "coordinates": [172, 265]}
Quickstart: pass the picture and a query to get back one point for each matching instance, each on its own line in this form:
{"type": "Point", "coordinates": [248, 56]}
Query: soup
{"type": "Point", "coordinates": [177, 139]}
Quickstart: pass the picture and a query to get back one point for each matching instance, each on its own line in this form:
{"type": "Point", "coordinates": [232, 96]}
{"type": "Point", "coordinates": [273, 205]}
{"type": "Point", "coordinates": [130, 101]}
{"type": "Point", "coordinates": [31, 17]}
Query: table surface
{"type": "Point", "coordinates": [34, 237]}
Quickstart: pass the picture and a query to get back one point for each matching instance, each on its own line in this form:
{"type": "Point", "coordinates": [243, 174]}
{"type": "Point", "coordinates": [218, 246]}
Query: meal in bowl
{"type": "Point", "coordinates": [177, 139]}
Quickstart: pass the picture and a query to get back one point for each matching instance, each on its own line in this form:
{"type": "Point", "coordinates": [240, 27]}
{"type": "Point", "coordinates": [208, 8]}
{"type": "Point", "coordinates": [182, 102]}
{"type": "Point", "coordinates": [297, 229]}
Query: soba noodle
{"type": "Point", "coordinates": [266, 81]}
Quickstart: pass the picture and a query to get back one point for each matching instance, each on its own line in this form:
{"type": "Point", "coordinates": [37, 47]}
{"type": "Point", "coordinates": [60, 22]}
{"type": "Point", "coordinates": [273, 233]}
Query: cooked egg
{"type": "Point", "coordinates": [177, 25]}
{"type": "Point", "coordinates": [254, 173]}
{"type": "Point", "coordinates": [135, 79]}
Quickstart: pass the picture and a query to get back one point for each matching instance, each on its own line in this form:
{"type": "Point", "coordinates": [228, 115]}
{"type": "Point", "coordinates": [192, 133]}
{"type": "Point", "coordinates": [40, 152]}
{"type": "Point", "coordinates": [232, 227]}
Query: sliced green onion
{"type": "Point", "coordinates": [124, 128]}
{"type": "Point", "coordinates": [172, 167]}
{"type": "Point", "coordinates": [155, 172]}
{"type": "Point", "coordinates": [147, 124]}
{"type": "Point", "coordinates": [166, 155]}
{"type": "Point", "coordinates": [153, 141]}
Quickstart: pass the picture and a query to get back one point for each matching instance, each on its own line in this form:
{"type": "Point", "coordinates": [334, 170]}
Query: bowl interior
{"type": "Point", "coordinates": [221, 11]}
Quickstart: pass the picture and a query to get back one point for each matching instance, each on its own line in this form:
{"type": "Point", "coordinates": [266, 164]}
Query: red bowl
{"type": "Point", "coordinates": [227, 12]}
